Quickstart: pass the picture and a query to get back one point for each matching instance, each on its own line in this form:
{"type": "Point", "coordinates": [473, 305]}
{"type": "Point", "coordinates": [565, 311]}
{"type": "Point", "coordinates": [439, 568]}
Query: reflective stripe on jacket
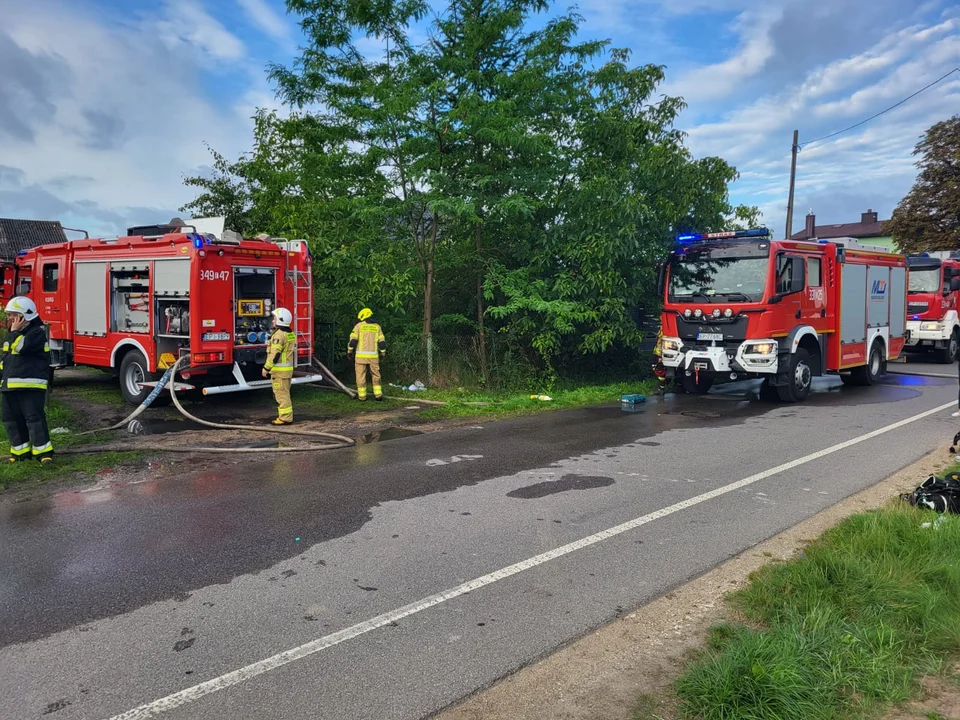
{"type": "Point", "coordinates": [367, 339]}
{"type": "Point", "coordinates": [26, 359]}
{"type": "Point", "coordinates": [281, 353]}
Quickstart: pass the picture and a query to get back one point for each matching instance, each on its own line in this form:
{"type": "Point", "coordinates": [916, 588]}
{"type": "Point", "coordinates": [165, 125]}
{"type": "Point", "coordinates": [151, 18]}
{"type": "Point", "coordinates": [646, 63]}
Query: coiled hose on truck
{"type": "Point", "coordinates": [339, 441]}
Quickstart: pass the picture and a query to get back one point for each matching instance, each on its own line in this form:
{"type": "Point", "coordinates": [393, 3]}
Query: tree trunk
{"type": "Point", "coordinates": [481, 310]}
{"type": "Point", "coordinates": [428, 273]}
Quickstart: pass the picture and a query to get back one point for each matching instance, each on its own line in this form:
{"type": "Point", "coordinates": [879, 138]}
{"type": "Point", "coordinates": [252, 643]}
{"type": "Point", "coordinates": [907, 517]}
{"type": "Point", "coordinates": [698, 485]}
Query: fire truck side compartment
{"type": "Point", "coordinates": [130, 296]}
{"type": "Point", "coordinates": [898, 302]}
{"type": "Point", "coordinates": [89, 301]}
{"type": "Point", "coordinates": [853, 318]}
{"type": "Point", "coordinates": [171, 277]}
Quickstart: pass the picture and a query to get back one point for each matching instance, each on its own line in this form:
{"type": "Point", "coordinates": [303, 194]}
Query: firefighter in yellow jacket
{"type": "Point", "coordinates": [369, 345]}
{"type": "Point", "coordinates": [281, 354]}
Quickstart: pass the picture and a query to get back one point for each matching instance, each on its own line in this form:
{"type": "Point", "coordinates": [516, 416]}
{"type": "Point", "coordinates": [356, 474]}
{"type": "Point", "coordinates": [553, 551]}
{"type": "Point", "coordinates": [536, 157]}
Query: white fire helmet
{"type": "Point", "coordinates": [22, 306]}
{"type": "Point", "coordinates": [283, 317]}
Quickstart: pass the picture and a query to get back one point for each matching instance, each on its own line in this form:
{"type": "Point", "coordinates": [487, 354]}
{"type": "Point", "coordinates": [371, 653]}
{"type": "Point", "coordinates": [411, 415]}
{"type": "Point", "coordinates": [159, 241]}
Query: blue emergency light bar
{"type": "Point", "coordinates": [756, 232]}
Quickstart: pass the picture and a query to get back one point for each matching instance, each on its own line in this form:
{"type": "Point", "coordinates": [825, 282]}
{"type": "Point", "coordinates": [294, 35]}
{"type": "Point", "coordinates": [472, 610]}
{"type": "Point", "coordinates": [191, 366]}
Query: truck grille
{"type": "Point", "coordinates": [917, 307]}
{"type": "Point", "coordinates": [733, 330]}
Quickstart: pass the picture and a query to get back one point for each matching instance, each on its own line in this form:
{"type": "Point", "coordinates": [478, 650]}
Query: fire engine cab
{"type": "Point", "coordinates": [134, 305]}
{"type": "Point", "coordinates": [932, 305]}
{"type": "Point", "coordinates": [739, 305]}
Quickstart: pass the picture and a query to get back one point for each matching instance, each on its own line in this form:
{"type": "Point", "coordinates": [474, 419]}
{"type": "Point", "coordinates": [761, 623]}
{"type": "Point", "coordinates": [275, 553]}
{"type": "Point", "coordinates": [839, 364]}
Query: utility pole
{"type": "Point", "coordinates": [793, 179]}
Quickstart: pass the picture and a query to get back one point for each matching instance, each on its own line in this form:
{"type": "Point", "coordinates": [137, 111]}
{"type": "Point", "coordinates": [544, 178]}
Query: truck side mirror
{"type": "Point", "coordinates": [799, 280]}
{"type": "Point", "coordinates": [791, 275]}
{"type": "Point", "coordinates": [661, 279]}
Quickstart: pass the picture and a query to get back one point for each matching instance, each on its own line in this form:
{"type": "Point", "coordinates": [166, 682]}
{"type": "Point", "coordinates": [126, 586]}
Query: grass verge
{"type": "Point", "coordinates": [60, 415]}
{"type": "Point", "coordinates": [841, 631]}
{"type": "Point", "coordinates": [499, 404]}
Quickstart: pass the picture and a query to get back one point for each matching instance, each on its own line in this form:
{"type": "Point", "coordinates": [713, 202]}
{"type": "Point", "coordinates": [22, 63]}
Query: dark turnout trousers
{"type": "Point", "coordinates": [25, 421]}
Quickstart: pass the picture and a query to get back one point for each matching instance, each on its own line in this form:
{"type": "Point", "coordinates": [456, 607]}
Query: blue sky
{"type": "Point", "coordinates": [106, 104]}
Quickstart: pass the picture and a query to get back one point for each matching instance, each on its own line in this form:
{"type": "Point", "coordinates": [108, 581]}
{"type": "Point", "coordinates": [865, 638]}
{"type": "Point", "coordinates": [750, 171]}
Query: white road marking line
{"type": "Point", "coordinates": [260, 667]}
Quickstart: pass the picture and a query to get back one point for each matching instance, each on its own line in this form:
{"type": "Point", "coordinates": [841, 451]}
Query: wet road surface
{"type": "Point", "coordinates": [114, 597]}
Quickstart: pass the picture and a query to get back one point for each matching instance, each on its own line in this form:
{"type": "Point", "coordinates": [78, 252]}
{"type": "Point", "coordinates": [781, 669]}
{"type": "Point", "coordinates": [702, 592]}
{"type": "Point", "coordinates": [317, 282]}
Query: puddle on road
{"type": "Point", "coordinates": [564, 484]}
{"type": "Point", "coordinates": [390, 433]}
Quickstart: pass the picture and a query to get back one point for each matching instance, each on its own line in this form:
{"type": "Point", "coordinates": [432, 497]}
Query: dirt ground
{"type": "Point", "coordinates": [624, 671]}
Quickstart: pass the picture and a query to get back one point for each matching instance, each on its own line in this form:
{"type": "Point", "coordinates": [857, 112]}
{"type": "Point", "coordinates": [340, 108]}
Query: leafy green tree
{"type": "Point", "coordinates": [224, 192]}
{"type": "Point", "coordinates": [500, 175]}
{"type": "Point", "coordinates": [928, 217]}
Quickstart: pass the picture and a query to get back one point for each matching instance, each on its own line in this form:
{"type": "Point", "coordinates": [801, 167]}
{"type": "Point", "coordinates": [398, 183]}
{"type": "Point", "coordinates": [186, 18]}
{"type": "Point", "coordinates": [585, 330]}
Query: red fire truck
{"type": "Point", "coordinates": [739, 305]}
{"type": "Point", "coordinates": [932, 306]}
{"type": "Point", "coordinates": [134, 305]}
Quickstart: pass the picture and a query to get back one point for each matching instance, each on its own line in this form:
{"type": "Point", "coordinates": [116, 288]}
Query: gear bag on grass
{"type": "Point", "coordinates": [936, 494]}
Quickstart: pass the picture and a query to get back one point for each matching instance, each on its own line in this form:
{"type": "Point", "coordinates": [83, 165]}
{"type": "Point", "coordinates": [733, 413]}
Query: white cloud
{"type": "Point", "coordinates": [872, 165]}
{"type": "Point", "coordinates": [128, 116]}
{"type": "Point", "coordinates": [719, 80]}
{"type": "Point", "coordinates": [264, 17]}
{"type": "Point", "coordinates": [188, 23]}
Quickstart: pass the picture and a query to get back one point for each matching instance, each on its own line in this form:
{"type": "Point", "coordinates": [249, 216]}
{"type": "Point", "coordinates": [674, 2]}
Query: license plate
{"type": "Point", "coordinates": [216, 336]}
{"type": "Point", "coordinates": [710, 337]}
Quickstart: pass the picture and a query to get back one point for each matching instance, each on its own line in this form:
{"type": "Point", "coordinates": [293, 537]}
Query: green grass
{"type": "Point", "coordinates": [849, 627]}
{"type": "Point", "coordinates": [504, 403]}
{"type": "Point", "coordinates": [100, 389]}
{"type": "Point", "coordinates": [60, 415]}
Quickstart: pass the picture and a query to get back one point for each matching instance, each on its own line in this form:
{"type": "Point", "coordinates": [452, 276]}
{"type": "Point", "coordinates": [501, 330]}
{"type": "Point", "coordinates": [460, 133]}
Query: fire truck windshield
{"type": "Point", "coordinates": [925, 280]}
{"type": "Point", "coordinates": [701, 277]}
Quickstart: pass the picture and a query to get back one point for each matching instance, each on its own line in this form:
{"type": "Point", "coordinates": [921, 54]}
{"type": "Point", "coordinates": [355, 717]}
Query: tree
{"type": "Point", "coordinates": [627, 186]}
{"type": "Point", "coordinates": [224, 193]}
{"type": "Point", "coordinates": [928, 217]}
{"type": "Point", "coordinates": [503, 175]}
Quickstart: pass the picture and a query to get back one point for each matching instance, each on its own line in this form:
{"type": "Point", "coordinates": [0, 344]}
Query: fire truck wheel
{"type": "Point", "coordinates": [870, 373]}
{"type": "Point", "coordinates": [691, 386]}
{"type": "Point", "coordinates": [134, 370]}
{"type": "Point", "coordinates": [800, 378]}
{"type": "Point", "coordinates": [950, 353]}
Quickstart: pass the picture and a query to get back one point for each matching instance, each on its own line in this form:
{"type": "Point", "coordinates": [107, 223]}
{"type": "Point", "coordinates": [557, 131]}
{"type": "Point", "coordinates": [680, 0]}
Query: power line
{"type": "Point", "coordinates": [883, 112]}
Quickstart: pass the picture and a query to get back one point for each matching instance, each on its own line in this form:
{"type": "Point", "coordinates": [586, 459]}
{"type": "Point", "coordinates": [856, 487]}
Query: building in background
{"type": "Point", "coordinates": [17, 235]}
{"type": "Point", "coordinates": [870, 230]}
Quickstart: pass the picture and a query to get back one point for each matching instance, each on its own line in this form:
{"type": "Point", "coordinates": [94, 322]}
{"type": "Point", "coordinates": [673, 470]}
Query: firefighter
{"type": "Point", "coordinates": [26, 374]}
{"type": "Point", "coordinates": [369, 345]}
{"type": "Point", "coordinates": [281, 354]}
{"type": "Point", "coordinates": [658, 367]}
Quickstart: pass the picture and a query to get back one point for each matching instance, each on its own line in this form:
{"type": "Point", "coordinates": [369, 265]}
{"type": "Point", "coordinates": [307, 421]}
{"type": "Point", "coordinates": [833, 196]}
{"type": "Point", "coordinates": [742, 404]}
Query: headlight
{"type": "Point", "coordinates": [697, 313]}
{"type": "Point", "coordinates": [716, 312]}
{"type": "Point", "coordinates": [687, 313]}
{"type": "Point", "coordinates": [728, 313]}
{"type": "Point", "coordinates": [930, 326]}
{"type": "Point", "coordinates": [671, 345]}
{"type": "Point", "coordinates": [762, 349]}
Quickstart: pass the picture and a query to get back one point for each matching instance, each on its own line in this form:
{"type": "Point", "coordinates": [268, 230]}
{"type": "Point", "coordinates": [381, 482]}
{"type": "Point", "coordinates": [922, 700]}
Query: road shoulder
{"type": "Point", "coordinates": [602, 675]}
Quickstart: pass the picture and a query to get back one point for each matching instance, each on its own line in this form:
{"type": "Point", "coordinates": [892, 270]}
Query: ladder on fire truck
{"type": "Point", "coordinates": [302, 319]}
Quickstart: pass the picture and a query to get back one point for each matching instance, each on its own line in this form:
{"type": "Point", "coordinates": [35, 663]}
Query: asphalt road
{"type": "Point", "coordinates": [390, 580]}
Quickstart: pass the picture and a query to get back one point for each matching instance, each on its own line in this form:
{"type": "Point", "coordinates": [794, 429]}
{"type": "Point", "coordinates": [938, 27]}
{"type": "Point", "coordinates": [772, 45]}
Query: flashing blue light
{"type": "Point", "coordinates": [21, 253]}
{"type": "Point", "coordinates": [756, 232]}
{"type": "Point", "coordinates": [197, 241]}
{"type": "Point", "coordinates": [916, 317]}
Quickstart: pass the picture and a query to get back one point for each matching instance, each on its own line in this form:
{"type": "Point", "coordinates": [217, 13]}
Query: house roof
{"type": "Point", "coordinates": [17, 235]}
{"type": "Point", "coordinates": [854, 230]}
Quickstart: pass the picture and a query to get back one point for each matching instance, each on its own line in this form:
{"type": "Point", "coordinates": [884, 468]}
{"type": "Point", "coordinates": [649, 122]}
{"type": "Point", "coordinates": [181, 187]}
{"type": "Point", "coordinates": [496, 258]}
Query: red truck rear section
{"type": "Point", "coordinates": [135, 305]}
{"type": "Point", "coordinates": [739, 305]}
{"type": "Point", "coordinates": [932, 305]}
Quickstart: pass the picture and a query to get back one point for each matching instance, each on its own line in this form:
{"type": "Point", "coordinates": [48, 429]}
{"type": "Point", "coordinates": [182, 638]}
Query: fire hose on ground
{"type": "Point", "coordinates": [338, 441]}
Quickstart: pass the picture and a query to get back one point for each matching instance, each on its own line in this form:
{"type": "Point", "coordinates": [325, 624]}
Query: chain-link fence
{"type": "Point", "coordinates": [448, 360]}
{"type": "Point", "coordinates": [456, 360]}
